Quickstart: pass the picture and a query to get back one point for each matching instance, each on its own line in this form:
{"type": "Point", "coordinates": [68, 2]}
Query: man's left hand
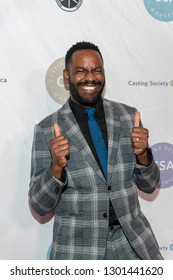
{"type": "Point", "coordinates": [139, 138]}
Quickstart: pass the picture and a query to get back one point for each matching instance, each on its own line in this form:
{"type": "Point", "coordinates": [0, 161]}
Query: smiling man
{"type": "Point", "coordinates": [88, 159]}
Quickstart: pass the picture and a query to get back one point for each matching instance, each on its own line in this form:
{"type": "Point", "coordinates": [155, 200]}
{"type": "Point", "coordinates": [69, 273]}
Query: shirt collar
{"type": "Point", "coordinates": [79, 110]}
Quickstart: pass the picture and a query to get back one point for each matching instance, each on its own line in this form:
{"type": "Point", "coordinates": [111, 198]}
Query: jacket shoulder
{"type": "Point", "coordinates": [54, 117]}
{"type": "Point", "coordinates": [120, 108]}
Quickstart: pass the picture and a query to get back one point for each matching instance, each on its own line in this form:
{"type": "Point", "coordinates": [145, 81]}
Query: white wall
{"type": "Point", "coordinates": [137, 49]}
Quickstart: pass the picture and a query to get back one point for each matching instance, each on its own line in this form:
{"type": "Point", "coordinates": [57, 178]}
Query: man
{"type": "Point", "coordinates": [96, 209]}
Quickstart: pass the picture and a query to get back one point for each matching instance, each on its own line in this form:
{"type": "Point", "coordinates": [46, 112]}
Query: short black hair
{"type": "Point", "coordinates": [80, 46]}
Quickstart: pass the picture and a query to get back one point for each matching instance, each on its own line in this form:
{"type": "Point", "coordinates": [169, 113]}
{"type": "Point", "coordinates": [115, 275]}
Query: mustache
{"type": "Point", "coordinates": [93, 83]}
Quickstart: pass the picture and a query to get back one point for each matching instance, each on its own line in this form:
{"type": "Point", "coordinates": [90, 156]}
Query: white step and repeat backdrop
{"type": "Point", "coordinates": [136, 40]}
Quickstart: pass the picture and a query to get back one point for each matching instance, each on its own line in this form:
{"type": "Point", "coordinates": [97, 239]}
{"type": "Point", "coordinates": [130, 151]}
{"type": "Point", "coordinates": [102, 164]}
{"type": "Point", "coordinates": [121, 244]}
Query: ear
{"type": "Point", "coordinates": [66, 79]}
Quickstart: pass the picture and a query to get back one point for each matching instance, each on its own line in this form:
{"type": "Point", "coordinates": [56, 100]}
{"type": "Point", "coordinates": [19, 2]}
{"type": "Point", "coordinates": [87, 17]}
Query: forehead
{"type": "Point", "coordinates": [86, 57]}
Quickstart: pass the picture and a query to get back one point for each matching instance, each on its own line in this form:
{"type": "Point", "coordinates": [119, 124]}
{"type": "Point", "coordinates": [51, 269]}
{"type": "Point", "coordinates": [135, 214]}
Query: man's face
{"type": "Point", "coordinates": [85, 77]}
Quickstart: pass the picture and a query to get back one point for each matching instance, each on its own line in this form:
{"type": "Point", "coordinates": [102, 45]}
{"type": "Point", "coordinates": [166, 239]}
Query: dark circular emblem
{"type": "Point", "coordinates": [69, 5]}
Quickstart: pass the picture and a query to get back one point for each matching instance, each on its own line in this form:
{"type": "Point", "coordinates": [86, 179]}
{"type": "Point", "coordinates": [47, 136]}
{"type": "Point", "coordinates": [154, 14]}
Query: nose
{"type": "Point", "coordinates": [89, 76]}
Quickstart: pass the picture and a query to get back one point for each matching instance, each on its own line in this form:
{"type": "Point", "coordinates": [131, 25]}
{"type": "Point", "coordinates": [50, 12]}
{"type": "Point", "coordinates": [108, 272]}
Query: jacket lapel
{"type": "Point", "coordinates": [70, 128]}
{"type": "Point", "coordinates": [113, 130]}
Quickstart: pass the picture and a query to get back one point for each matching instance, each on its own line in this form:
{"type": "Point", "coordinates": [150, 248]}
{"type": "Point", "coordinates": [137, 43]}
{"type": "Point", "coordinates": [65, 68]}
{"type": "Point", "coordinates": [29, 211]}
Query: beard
{"type": "Point", "coordinates": [80, 99]}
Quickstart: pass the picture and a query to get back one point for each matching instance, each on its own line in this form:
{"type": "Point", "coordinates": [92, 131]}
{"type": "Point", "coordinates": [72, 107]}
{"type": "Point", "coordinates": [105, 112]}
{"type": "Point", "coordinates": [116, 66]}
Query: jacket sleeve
{"type": "Point", "coordinates": [147, 177]}
{"type": "Point", "coordinates": [45, 189]}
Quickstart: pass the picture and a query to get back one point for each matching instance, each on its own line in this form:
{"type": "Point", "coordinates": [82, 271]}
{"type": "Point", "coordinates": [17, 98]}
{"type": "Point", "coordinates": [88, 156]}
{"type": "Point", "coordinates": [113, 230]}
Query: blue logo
{"type": "Point", "coordinates": [160, 9]}
{"type": "Point", "coordinates": [171, 247]}
{"type": "Point", "coordinates": [163, 155]}
{"type": "Point", "coordinates": [49, 252]}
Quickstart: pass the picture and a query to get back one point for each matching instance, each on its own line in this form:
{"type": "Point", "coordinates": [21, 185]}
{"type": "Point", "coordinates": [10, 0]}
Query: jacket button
{"type": "Point", "coordinates": [105, 215]}
{"type": "Point", "coordinates": [109, 188]}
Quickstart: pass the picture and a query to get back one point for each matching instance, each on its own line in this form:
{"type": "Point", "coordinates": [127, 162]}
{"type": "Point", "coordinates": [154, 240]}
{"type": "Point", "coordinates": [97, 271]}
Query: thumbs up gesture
{"type": "Point", "coordinates": [139, 139]}
{"type": "Point", "coordinates": [60, 151]}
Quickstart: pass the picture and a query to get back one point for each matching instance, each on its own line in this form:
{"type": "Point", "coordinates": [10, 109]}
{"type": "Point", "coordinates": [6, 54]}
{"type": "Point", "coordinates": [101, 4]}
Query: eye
{"type": "Point", "coordinates": [98, 70]}
{"type": "Point", "coordinates": [80, 70]}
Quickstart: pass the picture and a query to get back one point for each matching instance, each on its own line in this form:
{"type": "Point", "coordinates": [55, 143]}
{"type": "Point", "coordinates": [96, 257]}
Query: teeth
{"type": "Point", "coordinates": [89, 87]}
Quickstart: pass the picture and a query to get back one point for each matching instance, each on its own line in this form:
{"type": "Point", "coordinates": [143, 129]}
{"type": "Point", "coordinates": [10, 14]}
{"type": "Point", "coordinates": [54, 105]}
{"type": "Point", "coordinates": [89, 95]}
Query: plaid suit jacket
{"type": "Point", "coordinates": [82, 203]}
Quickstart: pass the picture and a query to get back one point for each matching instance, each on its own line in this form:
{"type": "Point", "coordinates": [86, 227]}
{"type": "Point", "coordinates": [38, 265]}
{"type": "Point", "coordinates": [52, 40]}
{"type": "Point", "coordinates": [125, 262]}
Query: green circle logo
{"type": "Point", "coordinates": [54, 81]}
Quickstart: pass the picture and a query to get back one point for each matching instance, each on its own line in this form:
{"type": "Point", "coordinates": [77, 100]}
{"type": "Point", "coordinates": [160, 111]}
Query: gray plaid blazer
{"type": "Point", "coordinates": [80, 224]}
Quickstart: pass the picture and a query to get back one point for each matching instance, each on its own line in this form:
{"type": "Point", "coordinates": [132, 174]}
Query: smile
{"type": "Point", "coordinates": [90, 87]}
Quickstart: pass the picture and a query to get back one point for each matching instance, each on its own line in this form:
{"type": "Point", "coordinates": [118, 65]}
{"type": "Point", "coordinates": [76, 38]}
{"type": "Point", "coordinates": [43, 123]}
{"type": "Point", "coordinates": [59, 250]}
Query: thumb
{"type": "Point", "coordinates": [57, 130]}
{"type": "Point", "coordinates": [137, 119]}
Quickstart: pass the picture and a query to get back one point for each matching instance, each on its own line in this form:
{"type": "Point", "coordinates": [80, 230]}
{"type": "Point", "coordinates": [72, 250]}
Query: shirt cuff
{"type": "Point", "coordinates": [139, 167]}
{"type": "Point", "coordinates": [63, 180]}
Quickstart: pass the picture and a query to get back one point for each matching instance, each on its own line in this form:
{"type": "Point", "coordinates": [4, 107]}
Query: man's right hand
{"type": "Point", "coordinates": [60, 151]}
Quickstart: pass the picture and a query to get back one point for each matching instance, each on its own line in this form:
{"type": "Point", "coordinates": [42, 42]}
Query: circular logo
{"type": "Point", "coordinates": [163, 155]}
{"type": "Point", "coordinates": [49, 252]}
{"type": "Point", "coordinates": [160, 9]}
{"type": "Point", "coordinates": [171, 247]}
{"type": "Point", "coordinates": [54, 81]}
{"type": "Point", "coordinates": [69, 5]}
